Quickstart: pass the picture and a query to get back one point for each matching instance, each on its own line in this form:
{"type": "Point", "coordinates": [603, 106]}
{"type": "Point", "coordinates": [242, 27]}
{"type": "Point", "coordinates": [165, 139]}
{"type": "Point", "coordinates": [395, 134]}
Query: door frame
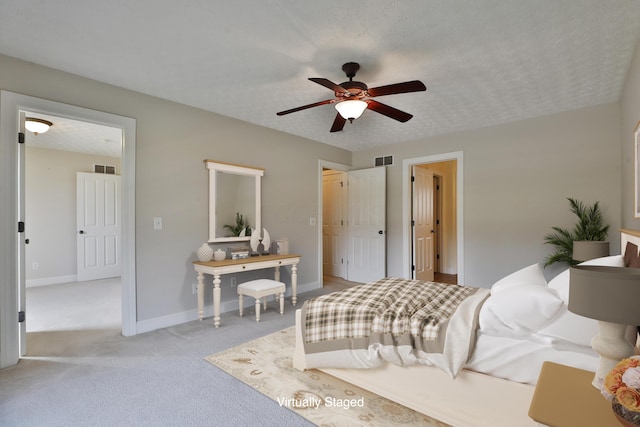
{"type": "Point", "coordinates": [10, 105]}
{"type": "Point", "coordinates": [324, 164]}
{"type": "Point", "coordinates": [406, 208]}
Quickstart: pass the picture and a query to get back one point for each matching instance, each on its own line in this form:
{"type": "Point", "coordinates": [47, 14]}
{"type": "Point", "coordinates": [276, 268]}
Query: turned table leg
{"type": "Point", "coordinates": [294, 284]}
{"type": "Point", "coordinates": [200, 295]}
{"type": "Point", "coordinates": [216, 300]}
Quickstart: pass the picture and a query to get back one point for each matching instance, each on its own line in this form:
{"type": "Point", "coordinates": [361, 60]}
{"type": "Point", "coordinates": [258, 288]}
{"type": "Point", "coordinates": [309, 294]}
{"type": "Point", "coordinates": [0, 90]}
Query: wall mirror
{"type": "Point", "coordinates": [233, 190]}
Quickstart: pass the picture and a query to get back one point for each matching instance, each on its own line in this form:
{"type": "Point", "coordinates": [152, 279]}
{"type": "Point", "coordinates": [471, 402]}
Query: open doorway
{"type": "Point", "coordinates": [12, 244]}
{"type": "Point", "coordinates": [433, 243]}
{"type": "Point", "coordinates": [73, 263]}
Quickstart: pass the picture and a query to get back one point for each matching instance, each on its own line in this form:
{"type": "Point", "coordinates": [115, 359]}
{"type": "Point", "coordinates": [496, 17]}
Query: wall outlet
{"type": "Point", "coordinates": [157, 223]}
{"type": "Point", "coordinates": [34, 266]}
{"type": "Point", "coordinates": [194, 288]}
{"type": "Point", "coordinates": [234, 282]}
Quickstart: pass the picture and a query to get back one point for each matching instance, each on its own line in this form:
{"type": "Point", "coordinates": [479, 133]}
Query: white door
{"type": "Point", "coordinates": [334, 217]}
{"type": "Point", "coordinates": [423, 224]}
{"type": "Point", "coordinates": [98, 226]}
{"type": "Point", "coordinates": [367, 226]}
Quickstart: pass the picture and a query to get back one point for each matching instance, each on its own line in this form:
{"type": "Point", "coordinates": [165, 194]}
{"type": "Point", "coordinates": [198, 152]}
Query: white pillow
{"type": "Point", "coordinates": [531, 275]}
{"type": "Point", "coordinates": [560, 283]}
{"type": "Point", "coordinates": [519, 310]}
{"type": "Point", "coordinates": [571, 327]}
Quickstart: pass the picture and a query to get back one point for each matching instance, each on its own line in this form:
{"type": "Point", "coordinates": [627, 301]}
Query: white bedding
{"type": "Point", "coordinates": [520, 359]}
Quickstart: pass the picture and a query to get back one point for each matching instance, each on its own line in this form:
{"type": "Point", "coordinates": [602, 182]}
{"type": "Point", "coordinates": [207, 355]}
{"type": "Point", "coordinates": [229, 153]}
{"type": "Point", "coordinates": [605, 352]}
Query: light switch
{"type": "Point", "coordinates": [312, 221]}
{"type": "Point", "coordinates": [157, 223]}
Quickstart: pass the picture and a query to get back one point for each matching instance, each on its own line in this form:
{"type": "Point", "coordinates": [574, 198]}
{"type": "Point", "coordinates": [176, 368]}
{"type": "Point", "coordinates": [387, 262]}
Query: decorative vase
{"type": "Point", "coordinates": [205, 253]}
{"type": "Point", "coordinates": [625, 416]}
{"type": "Point", "coordinates": [219, 255]}
{"type": "Point", "coordinates": [254, 241]}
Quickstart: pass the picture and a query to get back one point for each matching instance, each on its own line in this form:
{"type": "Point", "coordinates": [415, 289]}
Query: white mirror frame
{"type": "Point", "coordinates": [213, 167]}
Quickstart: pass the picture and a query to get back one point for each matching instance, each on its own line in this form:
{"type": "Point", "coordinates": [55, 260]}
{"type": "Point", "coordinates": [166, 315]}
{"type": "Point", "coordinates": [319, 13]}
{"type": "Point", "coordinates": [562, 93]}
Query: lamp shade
{"type": "Point", "coordinates": [584, 250]}
{"type": "Point", "coordinates": [36, 125]}
{"type": "Point", "coordinates": [610, 294]}
{"type": "Point", "coordinates": [351, 109]}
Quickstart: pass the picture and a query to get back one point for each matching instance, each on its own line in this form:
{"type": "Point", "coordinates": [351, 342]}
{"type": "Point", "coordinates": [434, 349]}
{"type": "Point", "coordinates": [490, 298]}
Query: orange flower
{"type": "Point", "coordinates": [629, 398]}
{"type": "Point", "coordinates": [613, 381]}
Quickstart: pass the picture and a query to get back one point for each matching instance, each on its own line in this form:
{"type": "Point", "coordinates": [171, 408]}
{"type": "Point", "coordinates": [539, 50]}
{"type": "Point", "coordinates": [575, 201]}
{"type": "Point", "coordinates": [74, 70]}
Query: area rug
{"type": "Point", "coordinates": [265, 364]}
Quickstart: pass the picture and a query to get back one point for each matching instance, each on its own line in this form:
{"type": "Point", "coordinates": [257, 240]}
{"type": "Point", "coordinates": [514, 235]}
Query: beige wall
{"type": "Point", "coordinates": [516, 179]}
{"type": "Point", "coordinates": [630, 106]}
{"type": "Point", "coordinates": [172, 140]}
{"type": "Point", "coordinates": [50, 208]}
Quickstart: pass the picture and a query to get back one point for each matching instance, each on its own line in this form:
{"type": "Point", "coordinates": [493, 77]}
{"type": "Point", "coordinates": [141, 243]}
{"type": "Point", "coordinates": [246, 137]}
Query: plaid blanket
{"type": "Point", "coordinates": [396, 320]}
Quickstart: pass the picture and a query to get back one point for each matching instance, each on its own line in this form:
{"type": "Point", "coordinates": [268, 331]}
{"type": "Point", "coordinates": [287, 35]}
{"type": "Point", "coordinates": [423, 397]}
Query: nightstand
{"type": "Point", "coordinates": [564, 397]}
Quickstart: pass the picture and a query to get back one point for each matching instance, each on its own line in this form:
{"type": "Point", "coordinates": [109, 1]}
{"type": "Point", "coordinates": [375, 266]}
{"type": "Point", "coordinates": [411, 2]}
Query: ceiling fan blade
{"type": "Point", "coordinates": [304, 107]}
{"type": "Point", "coordinates": [329, 84]}
{"type": "Point", "coordinates": [391, 112]}
{"type": "Point", "coordinates": [406, 87]}
{"type": "Point", "coordinates": [338, 123]}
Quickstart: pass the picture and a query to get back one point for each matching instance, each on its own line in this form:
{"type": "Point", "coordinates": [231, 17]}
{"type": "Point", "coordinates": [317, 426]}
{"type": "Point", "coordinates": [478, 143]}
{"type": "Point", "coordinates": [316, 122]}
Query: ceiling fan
{"type": "Point", "coordinates": [353, 97]}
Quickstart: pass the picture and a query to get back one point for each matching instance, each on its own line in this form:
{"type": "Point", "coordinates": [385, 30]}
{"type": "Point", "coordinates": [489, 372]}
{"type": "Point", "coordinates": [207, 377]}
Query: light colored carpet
{"type": "Point", "coordinates": [265, 364]}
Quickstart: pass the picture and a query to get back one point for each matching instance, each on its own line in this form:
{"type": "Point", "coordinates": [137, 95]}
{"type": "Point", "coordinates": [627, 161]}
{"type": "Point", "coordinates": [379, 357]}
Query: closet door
{"type": "Point", "coordinates": [367, 224]}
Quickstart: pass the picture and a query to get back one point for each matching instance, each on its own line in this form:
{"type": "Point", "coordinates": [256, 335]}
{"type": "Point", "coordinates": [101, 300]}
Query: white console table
{"type": "Point", "coordinates": [218, 268]}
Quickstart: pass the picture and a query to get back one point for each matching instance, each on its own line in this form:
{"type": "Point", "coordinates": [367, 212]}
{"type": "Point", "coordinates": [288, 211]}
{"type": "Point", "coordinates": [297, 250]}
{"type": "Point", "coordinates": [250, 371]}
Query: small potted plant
{"type": "Point", "coordinates": [589, 230]}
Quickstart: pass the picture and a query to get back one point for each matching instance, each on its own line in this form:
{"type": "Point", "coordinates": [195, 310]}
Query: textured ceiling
{"type": "Point", "coordinates": [484, 62]}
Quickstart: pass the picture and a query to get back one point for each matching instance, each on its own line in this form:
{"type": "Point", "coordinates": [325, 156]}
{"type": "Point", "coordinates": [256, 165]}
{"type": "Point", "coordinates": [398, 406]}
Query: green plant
{"type": "Point", "coordinates": [240, 225]}
{"type": "Point", "coordinates": [590, 226]}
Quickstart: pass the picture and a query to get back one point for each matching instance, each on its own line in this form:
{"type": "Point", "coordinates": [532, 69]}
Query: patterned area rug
{"type": "Point", "coordinates": [265, 364]}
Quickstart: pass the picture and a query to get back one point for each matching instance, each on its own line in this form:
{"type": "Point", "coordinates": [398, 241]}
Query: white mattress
{"type": "Point", "coordinates": [520, 359]}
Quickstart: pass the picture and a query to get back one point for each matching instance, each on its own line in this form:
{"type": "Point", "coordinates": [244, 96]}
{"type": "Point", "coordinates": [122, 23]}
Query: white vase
{"type": "Point", "coordinates": [219, 255]}
{"type": "Point", "coordinates": [266, 241]}
{"type": "Point", "coordinates": [205, 253]}
{"type": "Point", "coordinates": [254, 241]}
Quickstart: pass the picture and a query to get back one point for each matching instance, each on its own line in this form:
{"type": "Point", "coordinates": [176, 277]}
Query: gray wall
{"type": "Point", "coordinates": [172, 141]}
{"type": "Point", "coordinates": [516, 181]}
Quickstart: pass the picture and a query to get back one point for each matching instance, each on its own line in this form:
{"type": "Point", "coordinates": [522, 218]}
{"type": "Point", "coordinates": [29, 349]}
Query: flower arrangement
{"type": "Point", "coordinates": [622, 387]}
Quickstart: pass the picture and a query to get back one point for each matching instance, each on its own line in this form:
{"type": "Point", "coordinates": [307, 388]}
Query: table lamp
{"type": "Point", "coordinates": [584, 250]}
{"type": "Point", "coordinates": [611, 295]}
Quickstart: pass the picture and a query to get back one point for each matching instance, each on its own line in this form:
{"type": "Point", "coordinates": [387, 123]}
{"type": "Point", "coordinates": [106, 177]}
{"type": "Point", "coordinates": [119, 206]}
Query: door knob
{"type": "Point", "coordinates": [380, 232]}
{"type": "Point", "coordinates": [26, 241]}
{"type": "Point", "coordinates": [81, 231]}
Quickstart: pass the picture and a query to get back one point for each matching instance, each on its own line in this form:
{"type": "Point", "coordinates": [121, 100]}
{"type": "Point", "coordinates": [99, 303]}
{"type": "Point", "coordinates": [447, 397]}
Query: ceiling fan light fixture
{"type": "Point", "coordinates": [351, 109]}
{"type": "Point", "coordinates": [36, 125]}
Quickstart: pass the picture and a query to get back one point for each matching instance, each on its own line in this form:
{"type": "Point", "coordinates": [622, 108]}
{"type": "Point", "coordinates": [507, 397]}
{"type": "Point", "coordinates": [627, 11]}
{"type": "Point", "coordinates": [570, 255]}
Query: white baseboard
{"type": "Point", "coordinates": [45, 281]}
{"type": "Point", "coordinates": [190, 315]}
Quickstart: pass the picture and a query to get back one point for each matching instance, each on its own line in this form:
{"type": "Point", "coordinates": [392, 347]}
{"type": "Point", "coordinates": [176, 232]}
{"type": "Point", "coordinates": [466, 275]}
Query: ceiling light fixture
{"type": "Point", "coordinates": [351, 109]}
{"type": "Point", "coordinates": [37, 125]}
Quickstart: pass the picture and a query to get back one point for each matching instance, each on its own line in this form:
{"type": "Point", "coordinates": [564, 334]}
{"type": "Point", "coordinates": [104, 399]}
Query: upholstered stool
{"type": "Point", "coordinates": [261, 288]}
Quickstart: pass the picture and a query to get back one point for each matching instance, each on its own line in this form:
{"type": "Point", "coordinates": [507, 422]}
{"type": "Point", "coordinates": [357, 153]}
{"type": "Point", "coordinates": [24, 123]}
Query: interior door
{"type": "Point", "coordinates": [367, 224]}
{"type": "Point", "coordinates": [98, 226]}
{"type": "Point", "coordinates": [334, 209]}
{"type": "Point", "coordinates": [423, 223]}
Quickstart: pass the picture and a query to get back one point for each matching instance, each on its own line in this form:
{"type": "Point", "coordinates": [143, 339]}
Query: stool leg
{"type": "Point", "coordinates": [257, 309]}
{"type": "Point", "coordinates": [240, 303]}
{"type": "Point", "coordinates": [265, 303]}
{"type": "Point", "coordinates": [281, 298]}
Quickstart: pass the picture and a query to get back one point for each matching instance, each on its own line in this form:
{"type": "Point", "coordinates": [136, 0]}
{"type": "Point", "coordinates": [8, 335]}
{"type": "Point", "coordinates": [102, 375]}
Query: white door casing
{"type": "Point", "coordinates": [98, 226]}
{"type": "Point", "coordinates": [21, 270]}
{"type": "Point", "coordinates": [334, 209]}
{"type": "Point", "coordinates": [11, 243]}
{"type": "Point", "coordinates": [367, 224]}
{"type": "Point", "coordinates": [423, 223]}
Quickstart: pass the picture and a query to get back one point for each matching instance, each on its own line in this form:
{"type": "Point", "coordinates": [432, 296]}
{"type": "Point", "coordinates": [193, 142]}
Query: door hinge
{"type": "Point", "coordinates": [20, 138]}
{"type": "Point", "coordinates": [341, 184]}
{"type": "Point", "coordinates": [21, 316]}
{"type": "Point", "coordinates": [413, 178]}
{"type": "Point", "coordinates": [20, 226]}
{"type": "Point", "coordinates": [413, 268]}
{"type": "Point", "coordinates": [413, 223]}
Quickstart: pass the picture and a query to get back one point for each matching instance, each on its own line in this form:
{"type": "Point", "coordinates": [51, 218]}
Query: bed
{"type": "Point", "coordinates": [516, 325]}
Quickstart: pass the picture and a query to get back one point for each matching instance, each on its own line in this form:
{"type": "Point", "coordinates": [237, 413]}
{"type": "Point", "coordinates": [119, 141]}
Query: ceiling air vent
{"type": "Point", "coordinates": [384, 161]}
{"type": "Point", "coordinates": [110, 170]}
